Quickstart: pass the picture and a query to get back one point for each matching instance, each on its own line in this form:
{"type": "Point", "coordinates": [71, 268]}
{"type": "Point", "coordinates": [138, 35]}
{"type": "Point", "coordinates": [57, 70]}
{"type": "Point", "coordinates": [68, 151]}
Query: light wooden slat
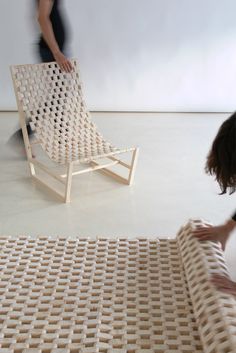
{"type": "Point", "coordinates": [47, 170]}
{"type": "Point", "coordinates": [91, 169]}
{"type": "Point", "coordinates": [49, 188]}
{"type": "Point", "coordinates": [111, 174]}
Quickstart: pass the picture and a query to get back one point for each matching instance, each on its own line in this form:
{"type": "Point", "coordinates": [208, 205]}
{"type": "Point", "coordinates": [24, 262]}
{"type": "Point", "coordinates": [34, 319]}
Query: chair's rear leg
{"type": "Point", "coordinates": [28, 148]}
{"type": "Point", "coordinates": [128, 180]}
{"type": "Point", "coordinates": [133, 166]}
{"type": "Point", "coordinates": [24, 129]}
{"type": "Point", "coordinates": [68, 182]}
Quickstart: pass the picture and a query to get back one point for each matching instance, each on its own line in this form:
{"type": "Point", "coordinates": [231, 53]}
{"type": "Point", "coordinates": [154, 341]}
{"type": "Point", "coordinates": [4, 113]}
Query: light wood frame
{"type": "Point", "coordinates": [66, 178]}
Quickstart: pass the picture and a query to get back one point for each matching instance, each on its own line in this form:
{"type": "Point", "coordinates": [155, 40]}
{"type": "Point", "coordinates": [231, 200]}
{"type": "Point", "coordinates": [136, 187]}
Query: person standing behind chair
{"type": "Point", "coordinates": [51, 46]}
{"type": "Point", "coordinates": [54, 34]}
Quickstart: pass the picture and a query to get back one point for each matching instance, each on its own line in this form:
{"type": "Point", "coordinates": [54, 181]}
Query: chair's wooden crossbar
{"type": "Point", "coordinates": [131, 167]}
{"type": "Point", "coordinates": [110, 173]}
{"type": "Point", "coordinates": [120, 162]}
{"type": "Point", "coordinates": [47, 170]}
{"type": "Point", "coordinates": [38, 180]}
{"type": "Point", "coordinates": [91, 169]}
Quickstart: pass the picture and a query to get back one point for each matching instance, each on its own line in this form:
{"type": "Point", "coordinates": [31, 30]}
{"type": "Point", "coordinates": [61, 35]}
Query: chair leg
{"type": "Point", "coordinates": [28, 148]}
{"type": "Point", "coordinates": [133, 166]}
{"type": "Point", "coordinates": [128, 180]}
{"type": "Point", "coordinates": [24, 128]}
{"type": "Point", "coordinates": [68, 182]}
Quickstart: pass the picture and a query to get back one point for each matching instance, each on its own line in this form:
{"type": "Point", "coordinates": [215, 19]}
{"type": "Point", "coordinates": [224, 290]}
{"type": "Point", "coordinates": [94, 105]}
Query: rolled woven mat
{"type": "Point", "coordinates": [65, 295]}
{"type": "Point", "coordinates": [214, 311]}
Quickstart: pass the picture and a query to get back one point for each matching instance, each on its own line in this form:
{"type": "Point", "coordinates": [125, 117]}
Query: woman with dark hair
{"type": "Point", "coordinates": [221, 163]}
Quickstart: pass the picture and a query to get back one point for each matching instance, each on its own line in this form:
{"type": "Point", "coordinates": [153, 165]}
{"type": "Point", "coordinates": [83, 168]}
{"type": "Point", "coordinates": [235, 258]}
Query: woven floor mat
{"type": "Point", "coordinates": [64, 295]}
{"type": "Point", "coordinates": [110, 296]}
{"type": "Point", "coordinates": [214, 311]}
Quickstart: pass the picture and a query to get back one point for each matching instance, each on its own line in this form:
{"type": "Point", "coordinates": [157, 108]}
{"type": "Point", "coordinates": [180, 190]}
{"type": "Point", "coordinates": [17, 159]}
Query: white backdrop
{"type": "Point", "coordinates": [149, 55]}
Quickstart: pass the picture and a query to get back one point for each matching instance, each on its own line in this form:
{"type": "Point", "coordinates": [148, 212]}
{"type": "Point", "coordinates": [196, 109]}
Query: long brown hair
{"type": "Point", "coordinates": [221, 161]}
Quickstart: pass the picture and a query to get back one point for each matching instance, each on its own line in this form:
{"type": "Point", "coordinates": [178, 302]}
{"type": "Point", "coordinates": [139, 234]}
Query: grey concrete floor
{"type": "Point", "coordinates": [170, 184]}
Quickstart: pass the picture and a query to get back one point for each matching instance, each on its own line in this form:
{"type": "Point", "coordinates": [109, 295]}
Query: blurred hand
{"type": "Point", "coordinates": [219, 233]}
{"type": "Point", "coordinates": [224, 284]}
{"type": "Point", "coordinates": [63, 62]}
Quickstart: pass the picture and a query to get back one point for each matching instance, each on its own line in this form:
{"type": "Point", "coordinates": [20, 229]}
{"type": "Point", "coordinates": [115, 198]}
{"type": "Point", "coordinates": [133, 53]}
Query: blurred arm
{"type": "Point", "coordinates": [44, 11]}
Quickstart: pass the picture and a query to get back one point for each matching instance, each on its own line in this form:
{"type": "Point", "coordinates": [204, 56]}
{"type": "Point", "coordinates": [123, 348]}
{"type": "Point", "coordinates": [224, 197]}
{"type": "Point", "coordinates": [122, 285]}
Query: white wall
{"type": "Point", "coordinates": [160, 55]}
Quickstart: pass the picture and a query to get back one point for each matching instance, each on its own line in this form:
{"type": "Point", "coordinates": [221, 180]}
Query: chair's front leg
{"type": "Point", "coordinates": [68, 182]}
{"type": "Point", "coordinates": [133, 166]}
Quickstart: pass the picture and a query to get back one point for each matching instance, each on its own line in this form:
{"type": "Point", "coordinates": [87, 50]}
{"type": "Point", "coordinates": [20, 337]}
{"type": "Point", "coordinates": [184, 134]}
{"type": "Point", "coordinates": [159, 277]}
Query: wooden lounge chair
{"type": "Point", "coordinates": [53, 102]}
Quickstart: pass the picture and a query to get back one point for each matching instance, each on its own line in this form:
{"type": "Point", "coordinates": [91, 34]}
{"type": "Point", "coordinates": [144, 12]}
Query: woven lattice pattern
{"type": "Point", "coordinates": [88, 296]}
{"type": "Point", "coordinates": [53, 101]}
{"type": "Point", "coordinates": [215, 312]}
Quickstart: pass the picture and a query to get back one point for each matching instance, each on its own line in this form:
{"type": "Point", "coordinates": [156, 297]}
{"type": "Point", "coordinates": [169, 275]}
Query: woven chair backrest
{"type": "Point", "coordinates": [53, 102]}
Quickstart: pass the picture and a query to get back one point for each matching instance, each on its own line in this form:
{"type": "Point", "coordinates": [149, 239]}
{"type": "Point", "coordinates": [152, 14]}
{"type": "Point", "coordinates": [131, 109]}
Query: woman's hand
{"type": "Point", "coordinates": [219, 233]}
{"type": "Point", "coordinates": [63, 62]}
{"type": "Point", "coordinates": [224, 284]}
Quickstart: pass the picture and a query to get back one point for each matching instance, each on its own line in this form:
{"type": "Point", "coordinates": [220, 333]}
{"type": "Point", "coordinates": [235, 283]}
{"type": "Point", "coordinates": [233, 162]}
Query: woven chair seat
{"type": "Point", "coordinates": [69, 295]}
